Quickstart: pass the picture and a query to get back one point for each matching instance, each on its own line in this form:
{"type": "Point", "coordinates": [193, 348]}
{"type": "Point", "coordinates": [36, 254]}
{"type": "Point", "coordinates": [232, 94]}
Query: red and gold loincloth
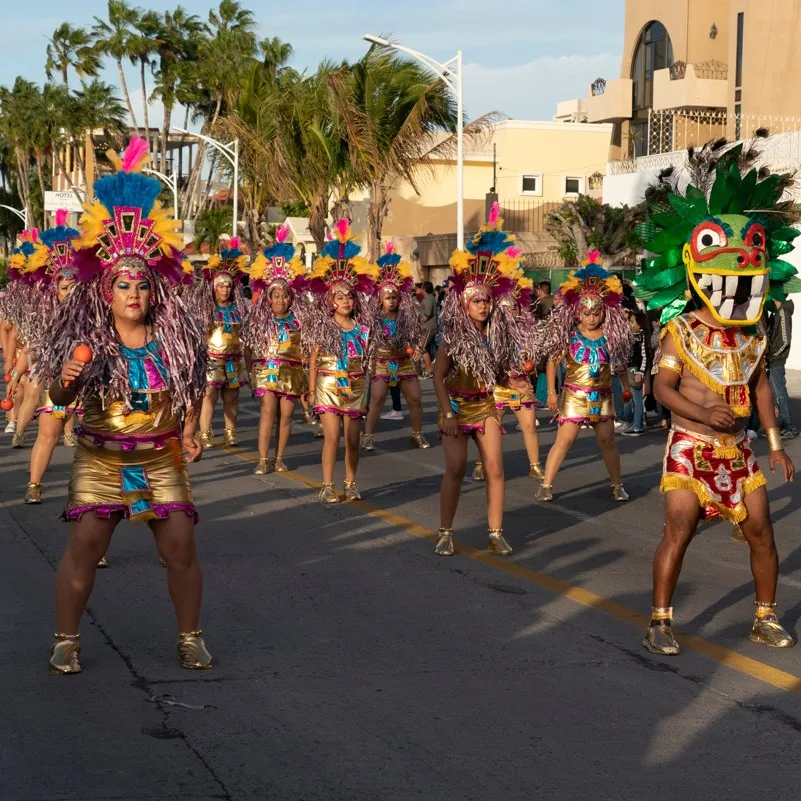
{"type": "Point", "coordinates": [721, 470]}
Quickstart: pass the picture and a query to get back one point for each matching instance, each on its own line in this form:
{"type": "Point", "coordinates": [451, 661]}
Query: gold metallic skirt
{"type": "Point", "coordinates": [226, 372]}
{"type": "Point", "coordinates": [282, 377]}
{"type": "Point", "coordinates": [330, 397]}
{"type": "Point", "coordinates": [586, 406]}
{"type": "Point", "coordinates": [143, 484]}
{"type": "Point", "coordinates": [518, 394]}
{"type": "Point", "coordinates": [393, 370]}
{"type": "Point", "coordinates": [46, 406]}
{"type": "Point", "coordinates": [472, 414]}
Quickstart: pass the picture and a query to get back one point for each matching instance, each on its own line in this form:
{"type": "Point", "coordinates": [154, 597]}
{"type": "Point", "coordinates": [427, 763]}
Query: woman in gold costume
{"type": "Point", "coordinates": [588, 328]}
{"type": "Point", "coordinates": [139, 374]}
{"type": "Point", "coordinates": [476, 350]}
{"type": "Point", "coordinates": [219, 307]}
{"type": "Point", "coordinates": [397, 330]}
{"type": "Point", "coordinates": [272, 338]}
{"type": "Point", "coordinates": [338, 331]}
{"type": "Point", "coordinates": [53, 261]}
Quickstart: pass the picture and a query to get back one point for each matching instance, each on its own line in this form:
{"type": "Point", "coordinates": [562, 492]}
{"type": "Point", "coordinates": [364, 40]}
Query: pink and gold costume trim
{"type": "Point", "coordinates": [516, 393]}
{"type": "Point", "coordinates": [720, 470]}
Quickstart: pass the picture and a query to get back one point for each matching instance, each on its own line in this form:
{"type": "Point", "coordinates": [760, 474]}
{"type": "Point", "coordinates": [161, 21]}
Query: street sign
{"type": "Point", "coordinates": [53, 201]}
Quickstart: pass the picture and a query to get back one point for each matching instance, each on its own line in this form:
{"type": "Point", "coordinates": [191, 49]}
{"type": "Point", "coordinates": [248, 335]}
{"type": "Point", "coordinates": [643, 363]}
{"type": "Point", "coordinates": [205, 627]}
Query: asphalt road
{"type": "Point", "coordinates": [354, 665]}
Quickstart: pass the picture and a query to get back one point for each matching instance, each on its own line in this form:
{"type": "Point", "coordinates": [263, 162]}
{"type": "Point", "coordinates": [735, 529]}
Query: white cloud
{"type": "Point", "coordinates": [531, 91]}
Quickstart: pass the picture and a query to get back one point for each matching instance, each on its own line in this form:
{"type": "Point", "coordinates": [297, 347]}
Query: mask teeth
{"type": "Point", "coordinates": [727, 309]}
{"type": "Point", "coordinates": [731, 285]}
{"type": "Point", "coordinates": [757, 283]}
{"type": "Point", "coordinates": [717, 284]}
{"type": "Point", "coordinates": [753, 307]}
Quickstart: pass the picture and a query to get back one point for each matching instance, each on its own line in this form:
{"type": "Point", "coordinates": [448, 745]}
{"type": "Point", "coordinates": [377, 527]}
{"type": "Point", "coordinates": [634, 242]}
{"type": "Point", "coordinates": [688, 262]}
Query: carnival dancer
{"type": "Point", "coordinates": [125, 347]}
{"type": "Point", "coordinates": [476, 350]}
{"type": "Point", "coordinates": [516, 392]}
{"type": "Point", "coordinates": [397, 330]}
{"type": "Point", "coordinates": [719, 252]}
{"type": "Point", "coordinates": [53, 258]}
{"type": "Point", "coordinates": [219, 307]}
{"type": "Point", "coordinates": [589, 329]}
{"type": "Point", "coordinates": [272, 338]}
{"type": "Point", "coordinates": [338, 331]}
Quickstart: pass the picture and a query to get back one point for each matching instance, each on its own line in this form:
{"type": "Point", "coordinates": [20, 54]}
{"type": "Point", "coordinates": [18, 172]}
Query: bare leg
{"type": "Point", "coordinates": [230, 399]}
{"type": "Point", "coordinates": [378, 395]}
{"type": "Point", "coordinates": [605, 436]}
{"type": "Point", "coordinates": [69, 427]}
{"type": "Point", "coordinates": [352, 432]}
{"type": "Point", "coordinates": [50, 429]}
{"type": "Point", "coordinates": [758, 532]}
{"type": "Point", "coordinates": [682, 513]}
{"type": "Point", "coordinates": [455, 450]}
{"type": "Point", "coordinates": [527, 420]}
{"type": "Point", "coordinates": [28, 404]}
{"type": "Point", "coordinates": [269, 409]}
{"type": "Point", "coordinates": [284, 426]}
{"type": "Point", "coordinates": [332, 432]}
{"type": "Point", "coordinates": [176, 545]}
{"type": "Point", "coordinates": [88, 541]}
{"type": "Point", "coordinates": [490, 447]}
{"type": "Point", "coordinates": [413, 398]}
{"type": "Point", "coordinates": [207, 409]}
{"type": "Point", "coordinates": [565, 437]}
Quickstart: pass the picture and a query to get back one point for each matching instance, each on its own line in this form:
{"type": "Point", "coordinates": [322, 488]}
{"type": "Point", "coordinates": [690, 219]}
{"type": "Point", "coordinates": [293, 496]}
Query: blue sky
{"type": "Point", "coordinates": [521, 56]}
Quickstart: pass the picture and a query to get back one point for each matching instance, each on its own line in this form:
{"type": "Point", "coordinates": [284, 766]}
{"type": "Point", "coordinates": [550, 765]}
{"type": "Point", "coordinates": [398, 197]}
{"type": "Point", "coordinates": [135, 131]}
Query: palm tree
{"type": "Point", "coordinates": [96, 107]}
{"type": "Point", "coordinates": [71, 47]}
{"type": "Point", "coordinates": [17, 115]}
{"type": "Point", "coordinates": [114, 38]}
{"type": "Point", "coordinates": [210, 226]}
{"type": "Point", "coordinates": [177, 40]}
{"type": "Point", "coordinates": [143, 45]}
{"type": "Point", "coordinates": [276, 56]}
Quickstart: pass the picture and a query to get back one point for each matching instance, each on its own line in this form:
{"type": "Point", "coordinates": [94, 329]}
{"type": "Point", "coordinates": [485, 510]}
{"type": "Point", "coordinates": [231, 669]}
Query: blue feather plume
{"type": "Point", "coordinates": [128, 189]}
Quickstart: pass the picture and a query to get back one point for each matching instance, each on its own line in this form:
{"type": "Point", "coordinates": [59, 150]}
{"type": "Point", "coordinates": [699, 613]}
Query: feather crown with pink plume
{"type": "Point", "coordinates": [395, 274]}
{"type": "Point", "coordinates": [59, 240]}
{"type": "Point", "coordinates": [277, 264]}
{"type": "Point", "coordinates": [126, 229]}
{"type": "Point", "coordinates": [589, 288]}
{"type": "Point", "coordinates": [339, 267]}
{"type": "Point", "coordinates": [229, 264]}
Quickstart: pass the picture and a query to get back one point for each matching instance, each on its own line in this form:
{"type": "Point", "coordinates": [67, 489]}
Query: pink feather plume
{"type": "Point", "coordinates": [514, 253]}
{"type": "Point", "coordinates": [234, 243]}
{"type": "Point", "coordinates": [343, 228]}
{"type": "Point", "coordinates": [593, 256]}
{"type": "Point", "coordinates": [61, 217]}
{"type": "Point", "coordinates": [135, 155]}
{"type": "Point", "coordinates": [281, 233]}
{"type": "Point", "coordinates": [495, 212]}
{"type": "Point", "coordinates": [390, 247]}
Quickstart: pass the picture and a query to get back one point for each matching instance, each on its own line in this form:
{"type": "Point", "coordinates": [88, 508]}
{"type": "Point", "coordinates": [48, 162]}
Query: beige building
{"type": "Point", "coordinates": [698, 69]}
{"type": "Point", "coordinates": [529, 166]}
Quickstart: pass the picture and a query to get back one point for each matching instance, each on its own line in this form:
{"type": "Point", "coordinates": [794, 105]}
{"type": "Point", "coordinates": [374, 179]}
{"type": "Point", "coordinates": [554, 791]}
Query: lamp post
{"type": "Point", "coordinates": [231, 152]}
{"type": "Point", "coordinates": [172, 184]}
{"type": "Point", "coordinates": [21, 213]}
{"type": "Point", "coordinates": [450, 73]}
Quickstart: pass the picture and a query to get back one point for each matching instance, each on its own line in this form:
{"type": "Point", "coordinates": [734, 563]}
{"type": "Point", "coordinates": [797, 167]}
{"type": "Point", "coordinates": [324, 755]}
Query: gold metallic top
{"type": "Point", "coordinates": [115, 422]}
{"type": "Point", "coordinates": [327, 364]}
{"type": "Point", "coordinates": [224, 339]}
{"type": "Point", "coordinates": [591, 376]}
{"type": "Point", "coordinates": [285, 345]}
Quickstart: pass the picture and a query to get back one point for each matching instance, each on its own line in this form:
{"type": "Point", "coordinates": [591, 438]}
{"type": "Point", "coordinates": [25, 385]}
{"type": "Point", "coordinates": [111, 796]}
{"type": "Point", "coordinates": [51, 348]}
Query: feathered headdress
{"type": "Point", "coordinates": [485, 265]}
{"type": "Point", "coordinates": [393, 272]}
{"type": "Point", "coordinates": [231, 262]}
{"type": "Point", "coordinates": [591, 288]}
{"type": "Point", "coordinates": [720, 242]}
{"type": "Point", "coordinates": [590, 285]}
{"type": "Point", "coordinates": [125, 228]}
{"type": "Point", "coordinates": [277, 264]}
{"type": "Point", "coordinates": [339, 265]}
{"type": "Point", "coordinates": [60, 259]}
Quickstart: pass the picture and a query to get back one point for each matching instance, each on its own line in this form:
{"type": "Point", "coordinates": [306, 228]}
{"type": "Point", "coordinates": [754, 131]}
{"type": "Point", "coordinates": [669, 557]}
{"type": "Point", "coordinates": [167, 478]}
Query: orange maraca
{"type": "Point", "coordinates": [6, 404]}
{"type": "Point", "coordinates": [83, 353]}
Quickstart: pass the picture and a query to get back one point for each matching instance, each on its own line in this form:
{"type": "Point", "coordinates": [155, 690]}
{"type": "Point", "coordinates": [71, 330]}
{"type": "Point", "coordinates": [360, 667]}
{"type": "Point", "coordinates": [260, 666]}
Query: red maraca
{"type": "Point", "coordinates": [83, 353]}
{"type": "Point", "coordinates": [627, 395]}
{"type": "Point", "coordinates": [528, 367]}
{"type": "Point", "coordinates": [6, 404]}
{"type": "Point", "coordinates": [410, 351]}
{"type": "Point", "coordinates": [7, 378]}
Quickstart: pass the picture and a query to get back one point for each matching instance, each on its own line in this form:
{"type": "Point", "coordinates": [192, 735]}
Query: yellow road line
{"type": "Point", "coordinates": [718, 653]}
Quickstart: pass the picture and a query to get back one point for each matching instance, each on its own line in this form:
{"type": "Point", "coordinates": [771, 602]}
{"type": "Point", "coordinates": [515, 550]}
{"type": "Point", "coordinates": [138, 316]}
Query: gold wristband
{"type": "Point", "coordinates": [774, 439]}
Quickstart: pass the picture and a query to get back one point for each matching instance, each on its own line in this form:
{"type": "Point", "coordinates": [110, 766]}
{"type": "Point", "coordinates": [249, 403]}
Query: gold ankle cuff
{"type": "Point", "coordinates": [328, 494]}
{"type": "Point", "coordinates": [444, 546]}
{"type": "Point", "coordinates": [661, 613]}
{"type": "Point", "coordinates": [229, 436]}
{"type": "Point", "coordinates": [352, 492]}
{"type": "Point", "coordinates": [765, 609]}
{"type": "Point", "coordinates": [497, 544]}
{"type": "Point", "coordinates": [33, 494]}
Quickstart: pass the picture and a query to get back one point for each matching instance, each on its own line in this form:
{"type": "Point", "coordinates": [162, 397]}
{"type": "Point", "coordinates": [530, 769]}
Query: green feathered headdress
{"type": "Point", "coordinates": [721, 240]}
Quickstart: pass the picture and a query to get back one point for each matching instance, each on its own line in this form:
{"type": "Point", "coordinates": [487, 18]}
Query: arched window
{"type": "Point", "coordinates": [654, 52]}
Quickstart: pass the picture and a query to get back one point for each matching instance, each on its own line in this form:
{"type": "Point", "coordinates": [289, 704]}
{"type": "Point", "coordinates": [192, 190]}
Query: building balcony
{"type": "Point", "coordinates": [703, 85]}
{"type": "Point", "coordinates": [610, 101]}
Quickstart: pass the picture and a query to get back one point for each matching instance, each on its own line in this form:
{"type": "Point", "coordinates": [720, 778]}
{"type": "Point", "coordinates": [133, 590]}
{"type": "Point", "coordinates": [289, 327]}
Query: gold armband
{"type": "Point", "coordinates": [671, 363]}
{"type": "Point", "coordinates": [774, 439]}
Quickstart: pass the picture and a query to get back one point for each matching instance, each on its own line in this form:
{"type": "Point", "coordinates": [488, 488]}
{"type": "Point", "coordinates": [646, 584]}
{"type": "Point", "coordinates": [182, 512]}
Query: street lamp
{"type": "Point", "coordinates": [22, 214]}
{"type": "Point", "coordinates": [450, 73]}
{"type": "Point", "coordinates": [172, 184]}
{"type": "Point", "coordinates": [231, 152]}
